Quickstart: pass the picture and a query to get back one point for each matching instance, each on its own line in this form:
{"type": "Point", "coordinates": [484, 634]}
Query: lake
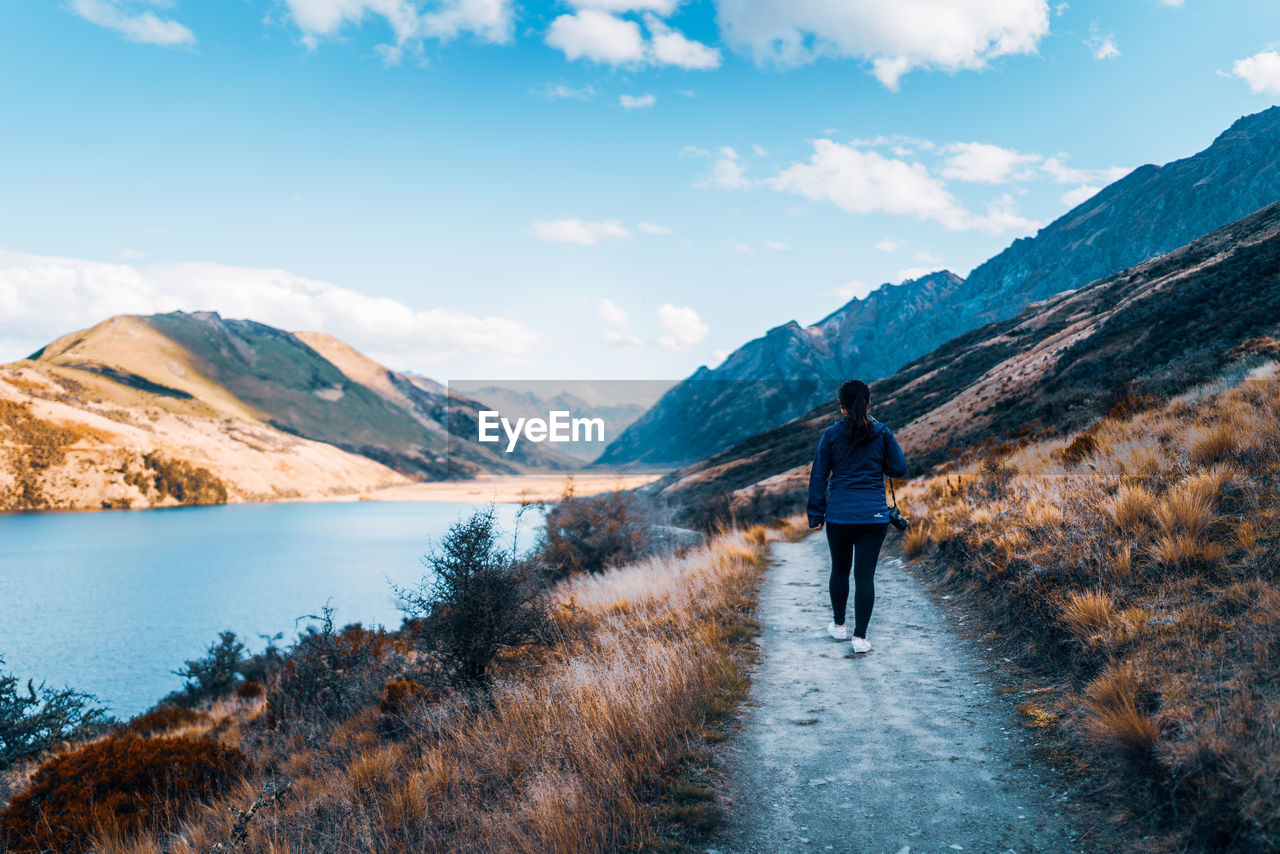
{"type": "Point", "coordinates": [111, 603]}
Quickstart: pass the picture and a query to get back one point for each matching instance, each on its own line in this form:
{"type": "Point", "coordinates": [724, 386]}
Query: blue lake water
{"type": "Point", "coordinates": [111, 603]}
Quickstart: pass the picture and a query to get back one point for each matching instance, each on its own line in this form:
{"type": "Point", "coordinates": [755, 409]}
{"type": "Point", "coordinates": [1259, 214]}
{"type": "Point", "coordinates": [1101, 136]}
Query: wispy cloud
{"type": "Point", "coordinates": [637, 102]}
{"type": "Point", "coordinates": [578, 232]}
{"type": "Point", "coordinates": [135, 22]}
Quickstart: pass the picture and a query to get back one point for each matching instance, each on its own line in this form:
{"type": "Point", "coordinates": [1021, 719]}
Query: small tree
{"type": "Point", "coordinates": [477, 601]}
{"type": "Point", "coordinates": [35, 718]}
{"type": "Point", "coordinates": [217, 673]}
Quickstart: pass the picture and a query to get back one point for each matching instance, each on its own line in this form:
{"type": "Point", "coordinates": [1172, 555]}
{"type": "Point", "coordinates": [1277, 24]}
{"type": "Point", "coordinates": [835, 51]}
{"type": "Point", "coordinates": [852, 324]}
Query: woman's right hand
{"type": "Point", "coordinates": [817, 527]}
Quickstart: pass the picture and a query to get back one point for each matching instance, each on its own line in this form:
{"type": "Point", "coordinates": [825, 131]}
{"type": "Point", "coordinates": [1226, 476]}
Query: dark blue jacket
{"type": "Point", "coordinates": [857, 476]}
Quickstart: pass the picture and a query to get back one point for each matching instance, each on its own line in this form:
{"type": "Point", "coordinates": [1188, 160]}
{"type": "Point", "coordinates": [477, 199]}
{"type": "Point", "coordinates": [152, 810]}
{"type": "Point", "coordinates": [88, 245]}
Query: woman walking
{"type": "Point", "coordinates": [855, 453]}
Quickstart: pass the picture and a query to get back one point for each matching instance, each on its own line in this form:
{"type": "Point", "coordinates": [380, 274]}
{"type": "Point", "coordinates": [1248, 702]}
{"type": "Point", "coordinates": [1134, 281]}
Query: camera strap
{"type": "Point", "coordinates": [891, 493]}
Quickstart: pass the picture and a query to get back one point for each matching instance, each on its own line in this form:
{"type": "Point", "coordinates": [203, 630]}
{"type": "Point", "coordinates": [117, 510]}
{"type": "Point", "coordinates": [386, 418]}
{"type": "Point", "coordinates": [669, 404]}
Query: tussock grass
{"type": "Point", "coordinates": [1137, 565]}
{"type": "Point", "coordinates": [591, 743]}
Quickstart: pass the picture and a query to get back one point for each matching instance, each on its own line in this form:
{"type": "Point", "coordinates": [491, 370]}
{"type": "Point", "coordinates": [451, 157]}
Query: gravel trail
{"type": "Point", "coordinates": [904, 750]}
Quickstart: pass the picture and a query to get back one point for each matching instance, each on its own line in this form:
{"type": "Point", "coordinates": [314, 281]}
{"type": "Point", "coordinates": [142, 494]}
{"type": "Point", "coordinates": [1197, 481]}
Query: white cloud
{"type": "Point", "coordinates": [130, 254]}
{"type": "Point", "coordinates": [926, 258]}
{"type": "Point", "coordinates": [616, 338]}
{"type": "Point", "coordinates": [1102, 44]}
{"type": "Point", "coordinates": [1059, 171]}
{"type": "Point", "coordinates": [851, 290]}
{"type": "Point", "coordinates": [561, 92]}
{"type": "Point", "coordinates": [895, 36]}
{"type": "Point", "coordinates": [594, 32]}
{"type": "Point", "coordinates": [759, 151]}
{"type": "Point", "coordinates": [637, 102]}
{"type": "Point", "coordinates": [1079, 195]}
{"type": "Point", "coordinates": [598, 36]}
{"type": "Point", "coordinates": [744, 249]}
{"type": "Point", "coordinates": [888, 244]}
{"type": "Point", "coordinates": [143, 26]}
{"type": "Point", "coordinates": [727, 173]}
{"type": "Point", "coordinates": [490, 20]}
{"type": "Point", "coordinates": [610, 313]}
{"type": "Point", "coordinates": [577, 231]}
{"type": "Point", "coordinates": [682, 326]}
{"type": "Point", "coordinates": [868, 182]}
{"type": "Point", "coordinates": [981, 162]}
{"type": "Point", "coordinates": [1261, 71]}
{"type": "Point", "coordinates": [776, 245]}
{"type": "Point", "coordinates": [717, 357]}
{"type": "Point", "coordinates": [43, 297]}
{"type": "Point", "coordinates": [660, 7]}
{"type": "Point", "coordinates": [654, 228]}
{"type": "Point", "coordinates": [671, 47]}
{"type": "Point", "coordinates": [1176, 4]}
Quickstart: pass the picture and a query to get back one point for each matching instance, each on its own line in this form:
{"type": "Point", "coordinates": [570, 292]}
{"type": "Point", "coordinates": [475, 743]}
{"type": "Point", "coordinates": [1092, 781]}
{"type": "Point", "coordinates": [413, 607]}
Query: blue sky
{"type": "Point", "coordinates": [584, 189]}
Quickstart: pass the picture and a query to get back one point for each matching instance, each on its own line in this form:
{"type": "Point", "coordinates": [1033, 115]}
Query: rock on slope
{"type": "Point", "coordinates": [1151, 211]}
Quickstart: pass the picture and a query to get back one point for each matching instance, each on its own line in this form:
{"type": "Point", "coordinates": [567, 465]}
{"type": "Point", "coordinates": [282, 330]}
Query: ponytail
{"type": "Point", "coordinates": [855, 397]}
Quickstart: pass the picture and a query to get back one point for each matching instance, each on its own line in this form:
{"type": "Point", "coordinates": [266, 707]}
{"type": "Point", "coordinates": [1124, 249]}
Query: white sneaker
{"type": "Point", "coordinates": [838, 632]}
{"type": "Point", "coordinates": [860, 645]}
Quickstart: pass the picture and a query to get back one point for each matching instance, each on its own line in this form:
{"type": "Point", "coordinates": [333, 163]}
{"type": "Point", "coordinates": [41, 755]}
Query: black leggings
{"type": "Point", "coordinates": [857, 546]}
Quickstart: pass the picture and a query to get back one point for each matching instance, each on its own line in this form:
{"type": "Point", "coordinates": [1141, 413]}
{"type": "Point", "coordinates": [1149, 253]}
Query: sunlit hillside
{"type": "Point", "coordinates": [1133, 567]}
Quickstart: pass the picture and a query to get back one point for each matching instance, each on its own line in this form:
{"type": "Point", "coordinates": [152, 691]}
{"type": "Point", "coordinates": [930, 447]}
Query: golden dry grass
{"type": "Point", "coordinates": [570, 751]}
{"type": "Point", "coordinates": [1139, 565]}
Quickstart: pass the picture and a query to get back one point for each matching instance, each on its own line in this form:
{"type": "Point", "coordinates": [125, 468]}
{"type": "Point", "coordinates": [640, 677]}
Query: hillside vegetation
{"type": "Point", "coordinates": [564, 718]}
{"type": "Point", "coordinates": [1135, 567]}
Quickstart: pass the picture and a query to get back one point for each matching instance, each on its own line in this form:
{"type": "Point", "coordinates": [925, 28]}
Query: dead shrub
{"type": "Point", "coordinates": [164, 719]}
{"type": "Point", "coordinates": [915, 541]}
{"type": "Point", "coordinates": [1080, 449]}
{"type": "Point", "coordinates": [120, 785]}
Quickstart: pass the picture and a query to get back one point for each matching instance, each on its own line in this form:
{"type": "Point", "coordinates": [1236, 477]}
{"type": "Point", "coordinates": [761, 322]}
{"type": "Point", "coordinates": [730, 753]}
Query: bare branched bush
{"type": "Point", "coordinates": [34, 718]}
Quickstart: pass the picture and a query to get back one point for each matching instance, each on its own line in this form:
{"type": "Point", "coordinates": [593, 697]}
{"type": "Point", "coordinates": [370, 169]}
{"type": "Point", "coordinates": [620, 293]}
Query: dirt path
{"type": "Point", "coordinates": [905, 749]}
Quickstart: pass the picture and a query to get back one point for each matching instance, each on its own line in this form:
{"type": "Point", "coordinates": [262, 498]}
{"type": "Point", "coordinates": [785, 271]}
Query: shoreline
{"type": "Point", "coordinates": [500, 489]}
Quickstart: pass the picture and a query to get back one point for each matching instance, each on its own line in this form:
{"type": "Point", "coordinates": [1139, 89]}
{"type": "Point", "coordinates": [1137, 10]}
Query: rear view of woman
{"type": "Point", "coordinates": [854, 455]}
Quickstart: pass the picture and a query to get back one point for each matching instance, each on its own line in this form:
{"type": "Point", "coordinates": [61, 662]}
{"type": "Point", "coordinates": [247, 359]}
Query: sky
{"type": "Point", "coordinates": [585, 189]}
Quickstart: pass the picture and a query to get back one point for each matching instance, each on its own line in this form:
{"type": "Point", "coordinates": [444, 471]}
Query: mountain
{"type": "Point", "coordinates": [197, 408]}
{"type": "Point", "coordinates": [1151, 211]}
{"type": "Point", "coordinates": [779, 376]}
{"type": "Point", "coordinates": [1205, 313]}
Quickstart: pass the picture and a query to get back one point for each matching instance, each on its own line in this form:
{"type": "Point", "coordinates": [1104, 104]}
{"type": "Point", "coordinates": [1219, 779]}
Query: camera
{"type": "Point", "coordinates": [897, 520]}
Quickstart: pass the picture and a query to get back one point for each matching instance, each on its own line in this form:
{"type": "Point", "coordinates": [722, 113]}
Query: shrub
{"type": "Point", "coordinates": [476, 603]}
{"type": "Point", "coordinates": [400, 696]}
{"type": "Point", "coordinates": [33, 719]}
{"type": "Point", "coordinates": [329, 675]}
{"type": "Point", "coordinates": [1088, 614]}
{"type": "Point", "coordinates": [1131, 507]}
{"type": "Point", "coordinates": [250, 690]}
{"type": "Point", "coordinates": [593, 534]}
{"type": "Point", "coordinates": [184, 482]}
{"type": "Point", "coordinates": [216, 674]}
{"type": "Point", "coordinates": [120, 785]}
{"type": "Point", "coordinates": [163, 719]}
